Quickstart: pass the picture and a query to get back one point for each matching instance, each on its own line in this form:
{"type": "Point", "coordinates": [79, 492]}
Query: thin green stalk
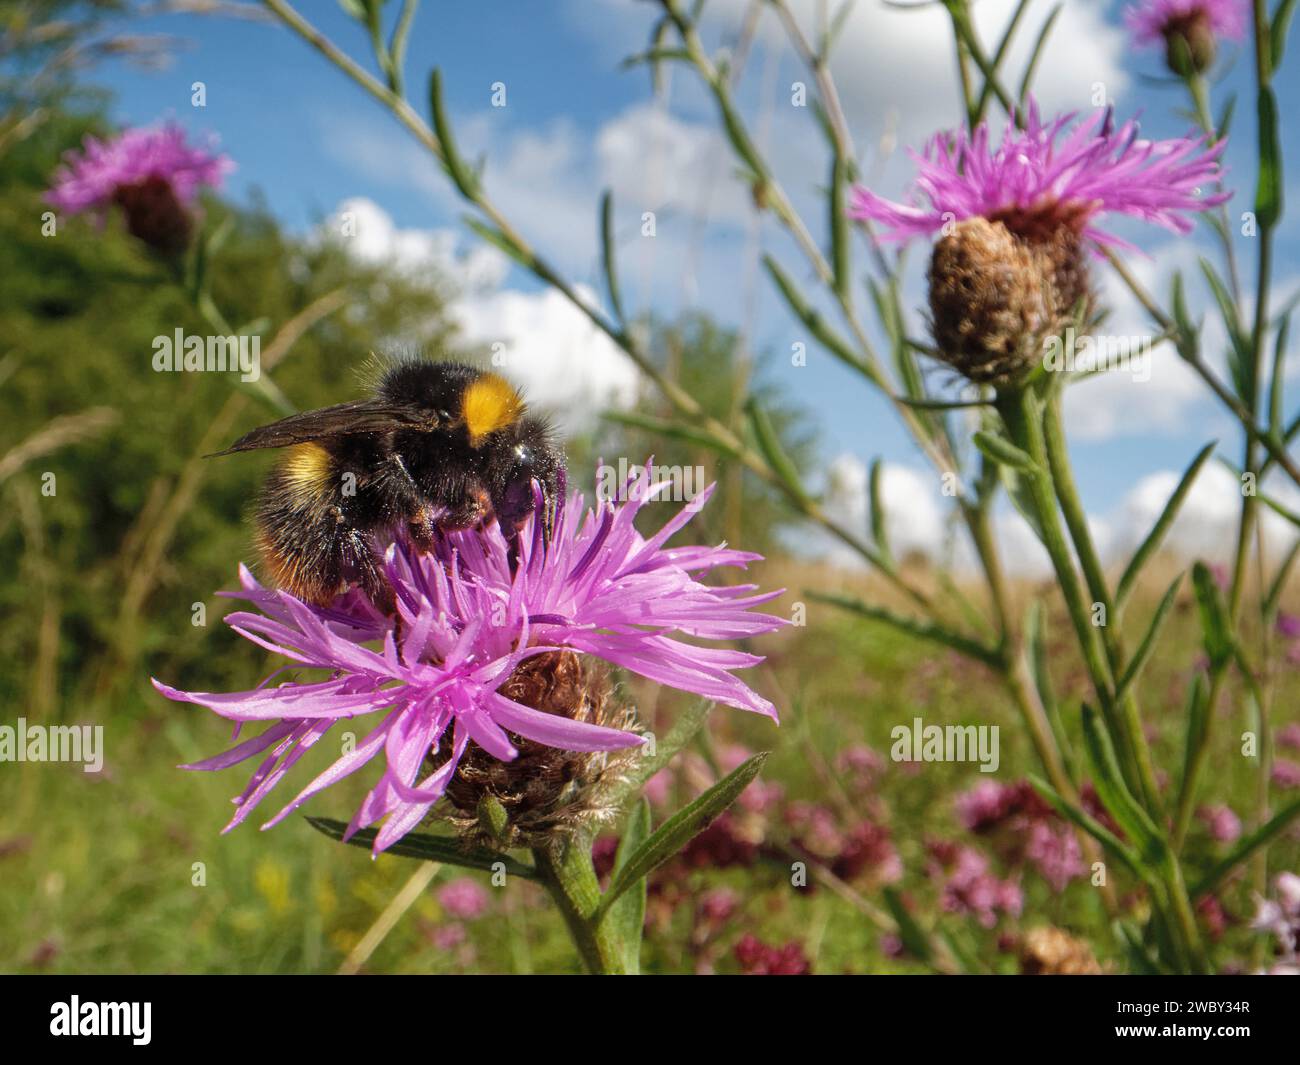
{"type": "Point", "coordinates": [1076, 520]}
{"type": "Point", "coordinates": [571, 880]}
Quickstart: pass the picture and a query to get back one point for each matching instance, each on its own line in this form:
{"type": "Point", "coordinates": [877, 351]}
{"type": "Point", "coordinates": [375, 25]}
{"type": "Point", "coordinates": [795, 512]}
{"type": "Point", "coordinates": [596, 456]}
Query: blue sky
{"type": "Point", "coordinates": [308, 139]}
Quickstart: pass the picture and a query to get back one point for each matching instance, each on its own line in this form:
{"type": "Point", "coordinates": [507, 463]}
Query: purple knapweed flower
{"type": "Point", "coordinates": [1189, 30]}
{"type": "Point", "coordinates": [463, 898]}
{"type": "Point", "coordinates": [1223, 825]}
{"type": "Point", "coordinates": [464, 624]}
{"type": "Point", "coordinates": [1049, 176]}
{"type": "Point", "coordinates": [152, 174]}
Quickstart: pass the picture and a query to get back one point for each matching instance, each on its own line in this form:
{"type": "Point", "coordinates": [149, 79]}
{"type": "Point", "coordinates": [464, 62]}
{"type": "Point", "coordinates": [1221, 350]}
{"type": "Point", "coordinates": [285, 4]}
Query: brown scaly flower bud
{"type": "Point", "coordinates": [1050, 952]}
{"type": "Point", "coordinates": [998, 287]}
{"type": "Point", "coordinates": [154, 215]}
{"type": "Point", "coordinates": [546, 794]}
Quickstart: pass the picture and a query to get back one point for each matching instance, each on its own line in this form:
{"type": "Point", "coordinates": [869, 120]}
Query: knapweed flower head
{"type": "Point", "coordinates": [154, 175]}
{"type": "Point", "coordinates": [1188, 29]}
{"type": "Point", "coordinates": [447, 683]}
{"type": "Point", "coordinates": [1015, 220]}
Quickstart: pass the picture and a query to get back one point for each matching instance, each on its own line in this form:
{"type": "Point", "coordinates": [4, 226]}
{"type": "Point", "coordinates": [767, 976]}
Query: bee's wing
{"type": "Point", "coordinates": [344, 419]}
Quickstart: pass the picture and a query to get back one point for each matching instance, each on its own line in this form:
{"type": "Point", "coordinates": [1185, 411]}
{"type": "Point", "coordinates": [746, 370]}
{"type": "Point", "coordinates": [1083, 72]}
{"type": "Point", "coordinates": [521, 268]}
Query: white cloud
{"type": "Point", "coordinates": [565, 366]}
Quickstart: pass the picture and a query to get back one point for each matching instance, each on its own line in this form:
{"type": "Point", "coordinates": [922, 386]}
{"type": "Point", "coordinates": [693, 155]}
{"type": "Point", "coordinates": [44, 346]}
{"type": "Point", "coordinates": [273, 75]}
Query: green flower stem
{"type": "Point", "coordinates": [1076, 521]}
{"type": "Point", "coordinates": [1021, 414]}
{"type": "Point", "coordinates": [571, 879]}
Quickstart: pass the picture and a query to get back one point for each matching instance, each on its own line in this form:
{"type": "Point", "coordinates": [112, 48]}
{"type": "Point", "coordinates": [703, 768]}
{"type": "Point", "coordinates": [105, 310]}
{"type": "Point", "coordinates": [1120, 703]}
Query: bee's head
{"type": "Point", "coordinates": [525, 454]}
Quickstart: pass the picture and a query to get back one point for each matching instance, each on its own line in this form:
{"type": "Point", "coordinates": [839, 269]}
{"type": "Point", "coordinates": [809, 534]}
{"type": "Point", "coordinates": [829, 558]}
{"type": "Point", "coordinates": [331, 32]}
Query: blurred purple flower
{"type": "Point", "coordinates": [463, 899]}
{"type": "Point", "coordinates": [1223, 825]}
{"type": "Point", "coordinates": [1152, 20]}
{"type": "Point", "coordinates": [1054, 852]}
{"type": "Point", "coordinates": [1289, 736]}
{"type": "Point", "coordinates": [1286, 774]}
{"type": "Point", "coordinates": [1046, 176]}
{"type": "Point", "coordinates": [152, 174]}
{"type": "Point", "coordinates": [598, 587]}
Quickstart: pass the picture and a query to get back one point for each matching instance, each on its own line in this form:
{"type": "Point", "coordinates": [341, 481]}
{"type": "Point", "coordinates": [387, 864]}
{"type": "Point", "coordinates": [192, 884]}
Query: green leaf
{"type": "Point", "coordinates": [1274, 597]}
{"type": "Point", "coordinates": [1278, 382]}
{"type": "Point", "coordinates": [1110, 842]}
{"type": "Point", "coordinates": [1197, 713]}
{"type": "Point", "coordinates": [879, 524]}
{"type": "Point", "coordinates": [1268, 189]}
{"type": "Point", "coordinates": [913, 937]}
{"type": "Point", "coordinates": [1224, 125]}
{"type": "Point", "coordinates": [457, 169]}
{"type": "Point", "coordinates": [1004, 452]}
{"type": "Point", "coordinates": [1156, 536]}
{"type": "Point", "coordinates": [663, 427]}
{"type": "Point", "coordinates": [499, 240]}
{"type": "Point", "coordinates": [813, 320]}
{"type": "Point", "coordinates": [1215, 628]}
{"type": "Point", "coordinates": [1114, 793]}
{"type": "Point", "coordinates": [607, 254]}
{"type": "Point", "coordinates": [428, 848]}
{"type": "Point", "coordinates": [1277, 33]}
{"type": "Point", "coordinates": [688, 724]}
{"type": "Point", "coordinates": [769, 444]}
{"type": "Point", "coordinates": [1240, 357]}
{"type": "Point", "coordinates": [1187, 339]}
{"type": "Point", "coordinates": [1147, 646]}
{"type": "Point", "coordinates": [679, 830]}
{"type": "Point", "coordinates": [1037, 53]}
{"type": "Point", "coordinates": [627, 915]}
{"type": "Point", "coordinates": [841, 261]}
{"type": "Point", "coordinates": [1036, 646]}
{"type": "Point", "coordinates": [919, 628]}
{"type": "Point", "coordinates": [1140, 958]}
{"type": "Point", "coordinates": [1247, 846]}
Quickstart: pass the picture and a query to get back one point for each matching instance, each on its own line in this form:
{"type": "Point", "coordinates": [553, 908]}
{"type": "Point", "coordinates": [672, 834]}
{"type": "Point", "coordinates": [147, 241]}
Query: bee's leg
{"type": "Point", "coordinates": [422, 529]}
{"type": "Point", "coordinates": [366, 569]}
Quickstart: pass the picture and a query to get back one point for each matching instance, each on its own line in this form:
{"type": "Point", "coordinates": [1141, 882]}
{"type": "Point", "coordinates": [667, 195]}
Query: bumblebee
{"type": "Point", "coordinates": [439, 446]}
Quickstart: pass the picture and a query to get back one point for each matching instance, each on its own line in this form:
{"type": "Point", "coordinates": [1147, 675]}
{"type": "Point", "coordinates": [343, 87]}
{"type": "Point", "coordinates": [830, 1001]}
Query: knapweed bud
{"type": "Point", "coordinates": [994, 296]}
{"type": "Point", "coordinates": [546, 793]}
{"type": "Point", "coordinates": [1190, 45]}
{"type": "Point", "coordinates": [154, 215]}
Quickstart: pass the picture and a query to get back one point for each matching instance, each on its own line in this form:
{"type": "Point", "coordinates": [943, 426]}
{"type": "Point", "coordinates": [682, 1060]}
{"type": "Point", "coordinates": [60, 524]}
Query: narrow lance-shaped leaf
{"type": "Point", "coordinates": [688, 724]}
{"type": "Point", "coordinates": [1026, 82]}
{"type": "Point", "coordinates": [1143, 654]}
{"type": "Point", "coordinates": [428, 848]}
{"type": "Point", "coordinates": [627, 915]}
{"type": "Point", "coordinates": [916, 627]}
{"type": "Point", "coordinates": [1278, 31]}
{"type": "Point", "coordinates": [1239, 361]}
{"type": "Point", "coordinates": [607, 254]}
{"type": "Point", "coordinates": [1156, 536]}
{"type": "Point", "coordinates": [914, 939]}
{"type": "Point", "coordinates": [1274, 597]}
{"type": "Point", "coordinates": [1110, 842]}
{"type": "Point", "coordinates": [1004, 452]}
{"type": "Point", "coordinates": [1114, 793]}
{"type": "Point", "coordinates": [663, 427]}
{"type": "Point", "coordinates": [1246, 846]}
{"type": "Point", "coordinates": [457, 169]}
{"type": "Point", "coordinates": [679, 830]}
{"type": "Point", "coordinates": [1268, 189]}
{"type": "Point", "coordinates": [879, 520]}
{"type": "Point", "coordinates": [1197, 713]}
{"type": "Point", "coordinates": [769, 444]}
{"type": "Point", "coordinates": [814, 321]}
{"type": "Point", "coordinates": [1215, 629]}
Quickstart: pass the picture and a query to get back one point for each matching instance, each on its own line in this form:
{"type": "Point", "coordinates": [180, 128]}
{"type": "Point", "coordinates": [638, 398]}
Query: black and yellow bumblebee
{"type": "Point", "coordinates": [440, 445]}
